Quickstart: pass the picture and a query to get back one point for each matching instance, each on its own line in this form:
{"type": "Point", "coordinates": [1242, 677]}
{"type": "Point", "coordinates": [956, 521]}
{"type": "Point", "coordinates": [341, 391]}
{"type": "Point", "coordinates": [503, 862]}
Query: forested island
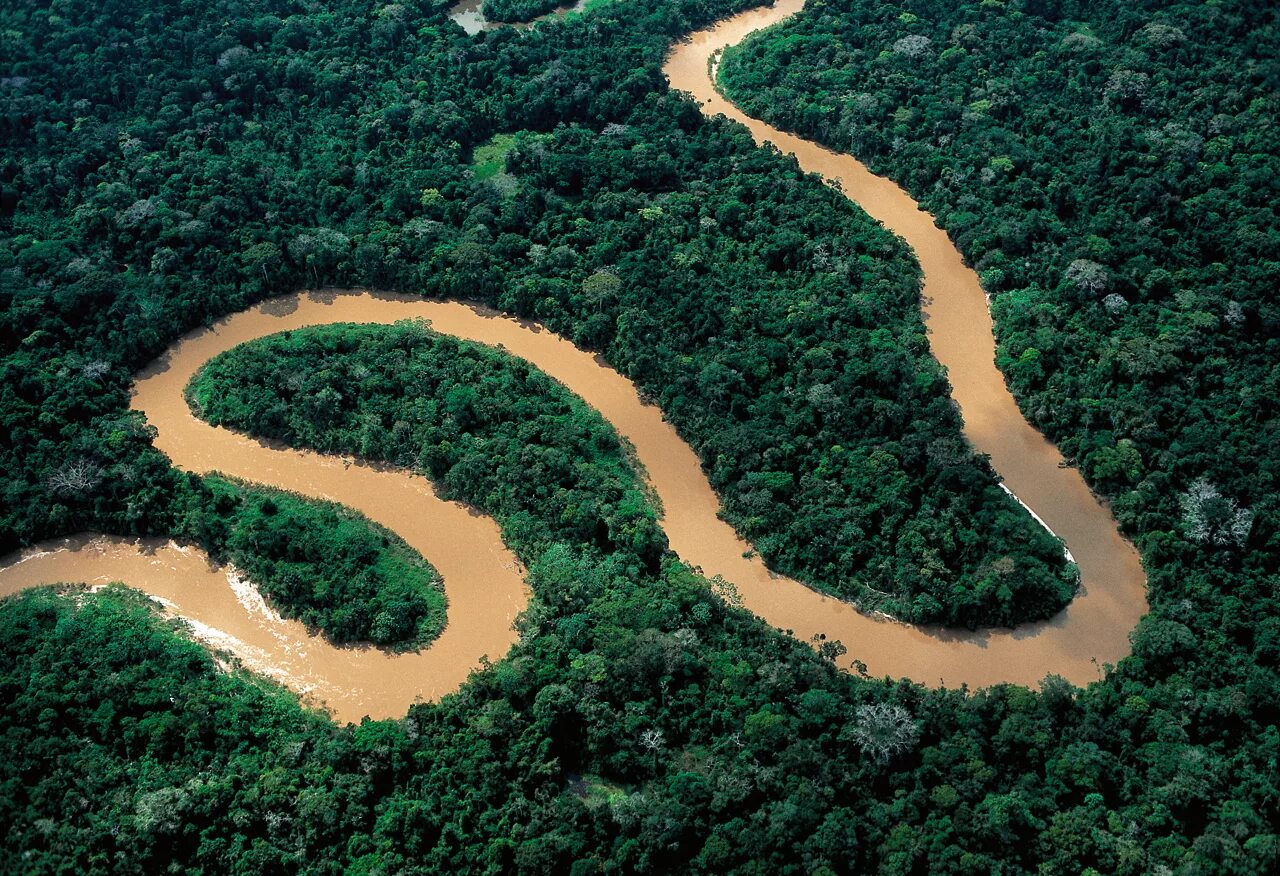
{"type": "Point", "coordinates": [168, 167]}
{"type": "Point", "coordinates": [489, 430]}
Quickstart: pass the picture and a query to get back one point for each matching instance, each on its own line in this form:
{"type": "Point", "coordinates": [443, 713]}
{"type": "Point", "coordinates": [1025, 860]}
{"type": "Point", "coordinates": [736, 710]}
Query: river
{"type": "Point", "coordinates": [483, 582]}
{"type": "Point", "coordinates": [469, 15]}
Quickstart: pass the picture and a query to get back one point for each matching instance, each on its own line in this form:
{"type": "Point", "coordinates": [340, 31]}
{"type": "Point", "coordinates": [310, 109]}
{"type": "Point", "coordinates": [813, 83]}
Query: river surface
{"type": "Point", "coordinates": [484, 582]}
{"type": "Point", "coordinates": [469, 15]}
{"type": "Point", "coordinates": [226, 612]}
{"type": "Point", "coordinates": [1113, 585]}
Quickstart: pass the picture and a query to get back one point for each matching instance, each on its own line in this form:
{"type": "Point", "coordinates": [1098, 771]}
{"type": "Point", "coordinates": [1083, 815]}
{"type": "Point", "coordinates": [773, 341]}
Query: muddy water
{"type": "Point", "coordinates": [227, 613]}
{"type": "Point", "coordinates": [483, 582]}
{"type": "Point", "coordinates": [1095, 626]}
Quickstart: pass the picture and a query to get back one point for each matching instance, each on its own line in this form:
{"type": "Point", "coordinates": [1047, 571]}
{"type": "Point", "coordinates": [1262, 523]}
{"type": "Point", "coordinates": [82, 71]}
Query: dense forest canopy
{"type": "Point", "coordinates": [1117, 190]}
{"type": "Point", "coordinates": [776, 326]}
{"type": "Point", "coordinates": [164, 167]}
{"type": "Point", "coordinates": [487, 429]}
{"type": "Point", "coordinates": [320, 563]}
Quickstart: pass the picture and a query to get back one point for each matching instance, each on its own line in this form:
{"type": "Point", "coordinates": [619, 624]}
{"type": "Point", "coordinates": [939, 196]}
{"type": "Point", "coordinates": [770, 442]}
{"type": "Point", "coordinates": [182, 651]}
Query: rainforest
{"type": "Point", "coordinates": [663, 436]}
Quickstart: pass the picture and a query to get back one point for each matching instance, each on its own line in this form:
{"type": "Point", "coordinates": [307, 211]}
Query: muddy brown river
{"type": "Point", "coordinates": [483, 581]}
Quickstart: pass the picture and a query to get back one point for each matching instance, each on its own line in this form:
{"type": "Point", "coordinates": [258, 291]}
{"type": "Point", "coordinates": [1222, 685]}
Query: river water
{"type": "Point", "coordinates": [227, 613]}
{"type": "Point", "coordinates": [484, 582]}
{"type": "Point", "coordinates": [1112, 598]}
{"type": "Point", "coordinates": [469, 15]}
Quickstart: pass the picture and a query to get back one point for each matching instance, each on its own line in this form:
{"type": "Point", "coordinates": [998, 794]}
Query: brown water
{"type": "Point", "coordinates": [227, 613]}
{"type": "Point", "coordinates": [1112, 598]}
{"type": "Point", "coordinates": [483, 581]}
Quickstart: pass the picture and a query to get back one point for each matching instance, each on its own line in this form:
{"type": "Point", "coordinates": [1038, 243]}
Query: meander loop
{"type": "Point", "coordinates": [483, 580]}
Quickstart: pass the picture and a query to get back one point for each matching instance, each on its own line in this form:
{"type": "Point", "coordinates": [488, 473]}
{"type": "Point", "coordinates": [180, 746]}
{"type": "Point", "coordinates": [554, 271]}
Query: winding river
{"type": "Point", "coordinates": [483, 581]}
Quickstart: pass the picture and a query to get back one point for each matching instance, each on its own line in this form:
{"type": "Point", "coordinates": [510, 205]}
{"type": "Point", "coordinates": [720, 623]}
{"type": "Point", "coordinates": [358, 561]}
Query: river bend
{"type": "Point", "coordinates": [484, 582]}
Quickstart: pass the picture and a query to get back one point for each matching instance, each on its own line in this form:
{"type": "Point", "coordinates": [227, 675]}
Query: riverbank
{"type": "Point", "coordinates": [483, 582]}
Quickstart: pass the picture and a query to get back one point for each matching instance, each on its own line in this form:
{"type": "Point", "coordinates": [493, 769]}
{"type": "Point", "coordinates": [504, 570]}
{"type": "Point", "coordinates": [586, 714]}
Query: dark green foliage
{"type": "Point", "coordinates": [777, 327]}
{"type": "Point", "coordinates": [487, 429]}
{"type": "Point", "coordinates": [540, 761]}
{"type": "Point", "coordinates": [1110, 170]}
{"type": "Point", "coordinates": [318, 562]}
{"type": "Point", "coordinates": [795, 364]}
{"type": "Point", "coordinates": [123, 741]}
{"type": "Point", "coordinates": [640, 726]}
{"type": "Point", "coordinates": [519, 10]}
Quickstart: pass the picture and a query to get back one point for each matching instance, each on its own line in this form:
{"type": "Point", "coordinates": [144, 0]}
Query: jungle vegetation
{"type": "Point", "coordinates": [318, 562]}
{"type": "Point", "coordinates": [487, 429]}
{"type": "Point", "coordinates": [1116, 190]}
{"type": "Point", "coordinates": [777, 327]}
{"type": "Point", "coordinates": [165, 166]}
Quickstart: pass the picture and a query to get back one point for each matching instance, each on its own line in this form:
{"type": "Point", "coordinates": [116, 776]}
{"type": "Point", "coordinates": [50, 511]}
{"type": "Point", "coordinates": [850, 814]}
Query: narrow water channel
{"type": "Point", "coordinates": [483, 581]}
{"type": "Point", "coordinates": [1095, 626]}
